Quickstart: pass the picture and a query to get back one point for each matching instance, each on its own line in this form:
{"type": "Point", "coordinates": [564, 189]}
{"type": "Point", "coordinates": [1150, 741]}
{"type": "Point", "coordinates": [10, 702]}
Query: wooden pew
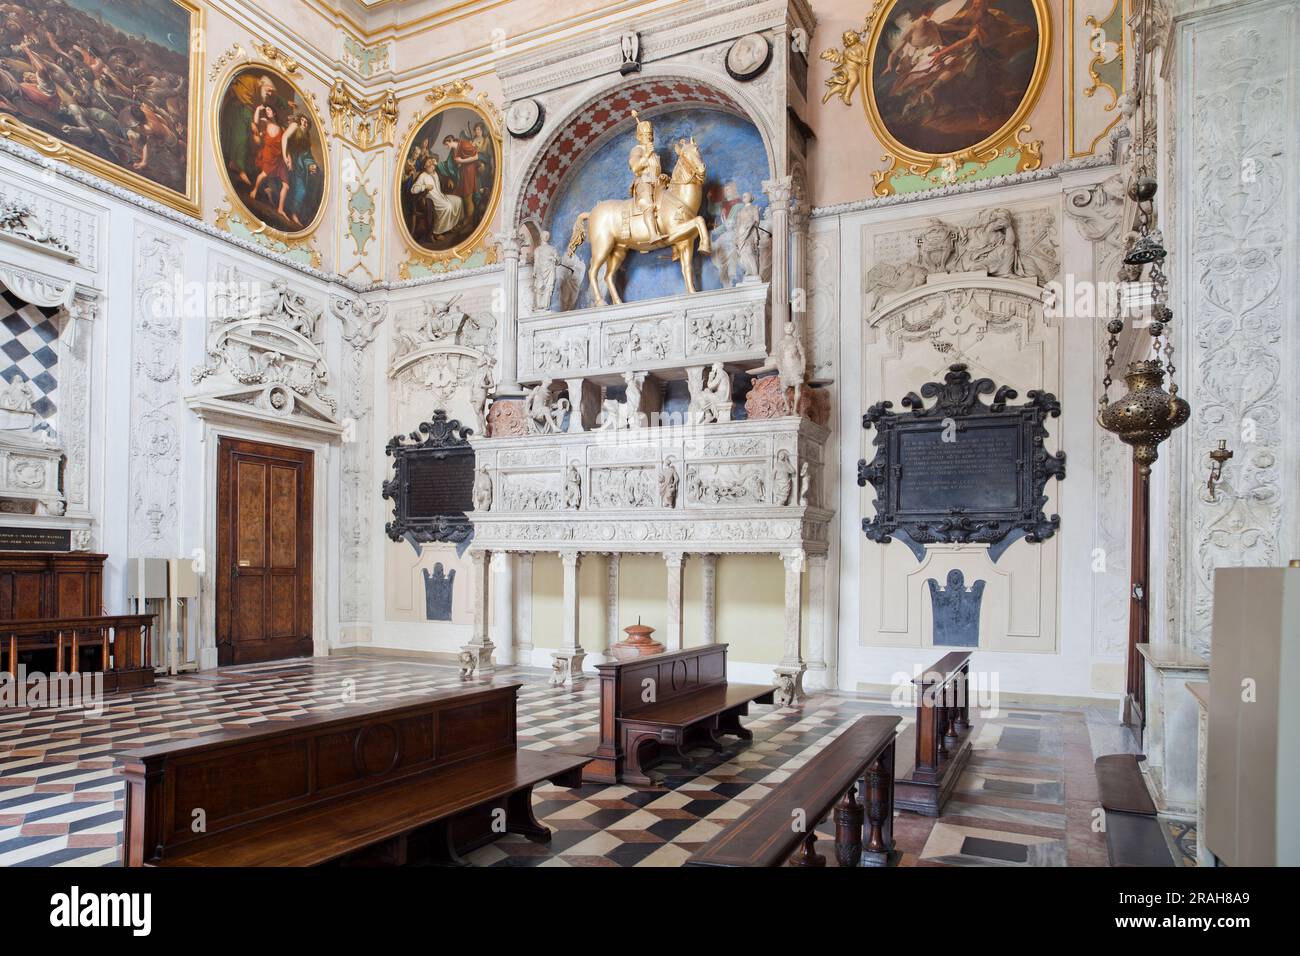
{"type": "Point", "coordinates": [853, 775]}
{"type": "Point", "coordinates": [117, 643]}
{"type": "Point", "coordinates": [425, 779]}
{"type": "Point", "coordinates": [676, 700]}
{"type": "Point", "coordinates": [942, 736]}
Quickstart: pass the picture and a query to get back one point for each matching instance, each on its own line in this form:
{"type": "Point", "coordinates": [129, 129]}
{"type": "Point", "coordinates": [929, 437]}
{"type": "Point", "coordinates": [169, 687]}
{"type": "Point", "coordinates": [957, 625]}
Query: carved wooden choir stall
{"type": "Point", "coordinates": [50, 621]}
{"type": "Point", "coordinates": [677, 700]}
{"type": "Point", "coordinates": [384, 783]}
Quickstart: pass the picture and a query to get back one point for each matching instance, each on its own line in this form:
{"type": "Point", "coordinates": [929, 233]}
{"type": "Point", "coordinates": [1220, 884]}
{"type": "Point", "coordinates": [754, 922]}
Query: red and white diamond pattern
{"type": "Point", "coordinates": [590, 126]}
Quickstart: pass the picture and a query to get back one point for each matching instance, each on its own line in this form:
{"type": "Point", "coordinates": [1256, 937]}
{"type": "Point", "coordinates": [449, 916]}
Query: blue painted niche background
{"type": "Point", "coordinates": [733, 152]}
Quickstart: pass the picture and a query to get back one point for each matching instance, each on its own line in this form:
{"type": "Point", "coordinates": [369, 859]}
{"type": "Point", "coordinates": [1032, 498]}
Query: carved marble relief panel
{"type": "Point", "coordinates": [156, 406]}
{"type": "Point", "coordinates": [1238, 82]}
{"type": "Point", "coordinates": [969, 291]}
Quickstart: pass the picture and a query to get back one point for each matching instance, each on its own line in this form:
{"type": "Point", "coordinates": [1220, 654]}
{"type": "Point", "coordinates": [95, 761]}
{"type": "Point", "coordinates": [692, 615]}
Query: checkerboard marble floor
{"type": "Point", "coordinates": [1026, 799]}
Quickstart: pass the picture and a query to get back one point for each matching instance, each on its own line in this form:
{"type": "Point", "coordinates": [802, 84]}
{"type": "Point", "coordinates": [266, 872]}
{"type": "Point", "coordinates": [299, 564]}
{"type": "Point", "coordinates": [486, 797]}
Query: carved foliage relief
{"type": "Point", "coordinates": [1238, 96]}
{"type": "Point", "coordinates": [155, 434]}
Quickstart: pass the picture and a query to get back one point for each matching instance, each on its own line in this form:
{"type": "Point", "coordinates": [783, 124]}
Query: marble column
{"type": "Point", "coordinates": [789, 673]}
{"type": "Point", "coordinates": [503, 605]}
{"type": "Point", "coordinates": [709, 580]}
{"type": "Point", "coordinates": [676, 562]}
{"type": "Point", "coordinates": [817, 669]}
{"type": "Point", "coordinates": [508, 384]}
{"type": "Point", "coordinates": [778, 205]}
{"type": "Point", "coordinates": [524, 608]}
{"type": "Point", "coordinates": [613, 634]}
{"type": "Point", "coordinates": [480, 645]}
{"type": "Point", "coordinates": [567, 661]}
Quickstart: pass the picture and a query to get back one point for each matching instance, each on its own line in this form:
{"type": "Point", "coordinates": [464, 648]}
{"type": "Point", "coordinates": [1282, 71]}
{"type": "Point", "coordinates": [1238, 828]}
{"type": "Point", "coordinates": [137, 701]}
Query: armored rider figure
{"type": "Point", "coordinates": [647, 176]}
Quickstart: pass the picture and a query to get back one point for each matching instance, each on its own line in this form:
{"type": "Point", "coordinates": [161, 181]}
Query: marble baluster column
{"type": "Point", "coordinates": [676, 562]}
{"type": "Point", "coordinates": [480, 644]}
{"type": "Point", "coordinates": [817, 668]}
{"type": "Point", "coordinates": [613, 634]}
{"type": "Point", "coordinates": [709, 582]}
{"type": "Point", "coordinates": [524, 608]}
{"type": "Point", "coordinates": [778, 205]}
{"type": "Point", "coordinates": [567, 661]}
{"type": "Point", "coordinates": [789, 673]}
{"type": "Point", "coordinates": [503, 605]}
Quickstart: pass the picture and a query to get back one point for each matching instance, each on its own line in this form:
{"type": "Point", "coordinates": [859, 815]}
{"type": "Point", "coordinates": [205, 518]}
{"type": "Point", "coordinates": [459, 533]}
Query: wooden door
{"type": "Point", "coordinates": [264, 551]}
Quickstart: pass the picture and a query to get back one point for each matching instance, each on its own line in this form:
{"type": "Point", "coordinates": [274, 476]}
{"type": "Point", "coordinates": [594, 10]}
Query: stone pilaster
{"type": "Point", "coordinates": [676, 562]}
{"type": "Point", "coordinates": [709, 579]}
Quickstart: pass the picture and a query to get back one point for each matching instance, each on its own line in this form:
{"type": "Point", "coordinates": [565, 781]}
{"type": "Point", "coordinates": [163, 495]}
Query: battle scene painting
{"type": "Point", "coordinates": [109, 77]}
{"type": "Point", "coordinates": [270, 147]}
{"type": "Point", "coordinates": [449, 179]}
{"type": "Point", "coordinates": [948, 74]}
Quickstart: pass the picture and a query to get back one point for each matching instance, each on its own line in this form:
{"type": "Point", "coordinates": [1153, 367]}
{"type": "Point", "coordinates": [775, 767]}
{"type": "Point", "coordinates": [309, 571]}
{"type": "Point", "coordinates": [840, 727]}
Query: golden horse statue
{"type": "Point", "coordinates": [618, 225]}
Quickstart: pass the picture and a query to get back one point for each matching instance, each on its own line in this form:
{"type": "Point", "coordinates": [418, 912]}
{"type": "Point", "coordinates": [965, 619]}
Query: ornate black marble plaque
{"type": "Point", "coordinates": [432, 484]}
{"type": "Point", "coordinates": [961, 470]}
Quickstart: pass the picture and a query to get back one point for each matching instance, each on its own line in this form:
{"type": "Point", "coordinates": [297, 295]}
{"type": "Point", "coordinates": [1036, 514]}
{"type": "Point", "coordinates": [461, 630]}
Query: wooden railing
{"type": "Point", "coordinates": [942, 735]}
{"type": "Point", "coordinates": [122, 641]}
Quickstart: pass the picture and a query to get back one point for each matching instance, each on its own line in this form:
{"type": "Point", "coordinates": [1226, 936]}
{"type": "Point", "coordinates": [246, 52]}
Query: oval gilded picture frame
{"type": "Point", "coordinates": [447, 218]}
{"type": "Point", "coordinates": [891, 16]}
{"type": "Point", "coordinates": [228, 112]}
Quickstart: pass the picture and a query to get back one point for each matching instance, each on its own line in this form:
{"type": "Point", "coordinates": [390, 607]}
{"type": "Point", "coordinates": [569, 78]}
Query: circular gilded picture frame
{"type": "Point", "coordinates": [893, 15]}
{"type": "Point", "coordinates": [447, 217]}
{"type": "Point", "coordinates": [304, 178]}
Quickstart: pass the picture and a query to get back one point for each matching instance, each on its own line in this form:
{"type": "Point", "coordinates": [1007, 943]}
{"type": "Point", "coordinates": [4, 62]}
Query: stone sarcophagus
{"type": "Point", "coordinates": [727, 325]}
{"type": "Point", "coordinates": [736, 487]}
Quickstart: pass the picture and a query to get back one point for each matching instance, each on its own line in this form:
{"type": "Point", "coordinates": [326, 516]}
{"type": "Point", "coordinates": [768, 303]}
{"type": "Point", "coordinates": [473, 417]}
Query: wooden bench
{"type": "Point", "coordinates": [678, 700]}
{"type": "Point", "coordinates": [114, 645]}
{"type": "Point", "coordinates": [941, 734]}
{"type": "Point", "coordinates": [853, 775]}
{"type": "Point", "coordinates": [426, 779]}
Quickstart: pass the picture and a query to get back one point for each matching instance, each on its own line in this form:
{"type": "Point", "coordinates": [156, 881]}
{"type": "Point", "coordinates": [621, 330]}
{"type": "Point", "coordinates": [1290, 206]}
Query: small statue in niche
{"type": "Point", "coordinates": [748, 236]}
{"type": "Point", "coordinates": [633, 417]}
{"type": "Point", "coordinates": [438, 592]}
{"type": "Point", "coordinates": [805, 484]}
{"type": "Point", "coordinates": [711, 401]}
{"type": "Point", "coordinates": [668, 482]}
{"type": "Point", "coordinates": [792, 364]}
{"type": "Point", "coordinates": [480, 387]}
{"type": "Point", "coordinates": [482, 493]}
{"type": "Point", "coordinates": [545, 260]}
{"type": "Point", "coordinates": [782, 479]}
{"type": "Point", "coordinates": [544, 418]}
{"type": "Point", "coordinates": [573, 487]}
{"type": "Point", "coordinates": [571, 278]}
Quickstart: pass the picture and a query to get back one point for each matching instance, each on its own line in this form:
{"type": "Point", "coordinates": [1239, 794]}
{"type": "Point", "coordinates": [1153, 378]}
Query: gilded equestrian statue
{"type": "Point", "coordinates": [663, 212]}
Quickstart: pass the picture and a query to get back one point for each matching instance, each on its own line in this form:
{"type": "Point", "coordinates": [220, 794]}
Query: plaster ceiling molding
{"type": "Point", "coordinates": [264, 357]}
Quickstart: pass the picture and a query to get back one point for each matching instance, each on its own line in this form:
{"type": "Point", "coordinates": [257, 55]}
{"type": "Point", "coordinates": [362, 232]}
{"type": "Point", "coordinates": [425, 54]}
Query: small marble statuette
{"type": "Point", "coordinates": [782, 479]}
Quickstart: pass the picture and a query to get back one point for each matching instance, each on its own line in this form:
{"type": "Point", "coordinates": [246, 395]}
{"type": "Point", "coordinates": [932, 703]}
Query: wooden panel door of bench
{"type": "Point", "coordinates": [264, 552]}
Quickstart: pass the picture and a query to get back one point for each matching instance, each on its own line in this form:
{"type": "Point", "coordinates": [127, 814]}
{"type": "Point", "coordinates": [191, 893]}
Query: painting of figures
{"type": "Point", "coordinates": [107, 84]}
{"type": "Point", "coordinates": [271, 150]}
{"type": "Point", "coordinates": [449, 180]}
{"type": "Point", "coordinates": [947, 75]}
